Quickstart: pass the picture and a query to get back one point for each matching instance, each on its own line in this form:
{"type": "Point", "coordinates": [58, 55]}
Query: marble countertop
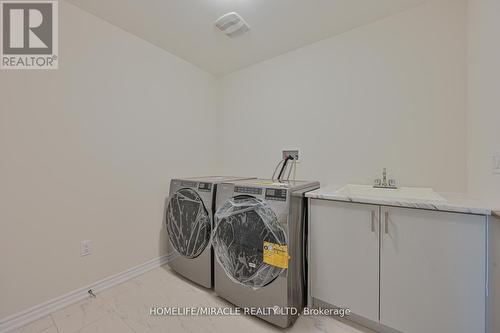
{"type": "Point", "coordinates": [453, 202]}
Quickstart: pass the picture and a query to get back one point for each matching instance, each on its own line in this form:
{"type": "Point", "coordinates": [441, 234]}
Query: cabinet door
{"type": "Point", "coordinates": [344, 254]}
{"type": "Point", "coordinates": [432, 271]}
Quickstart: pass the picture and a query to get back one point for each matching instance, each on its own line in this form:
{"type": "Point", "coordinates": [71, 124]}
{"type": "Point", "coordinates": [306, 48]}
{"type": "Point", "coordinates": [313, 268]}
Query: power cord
{"type": "Point", "coordinates": [276, 169]}
{"type": "Point", "coordinates": [288, 158]}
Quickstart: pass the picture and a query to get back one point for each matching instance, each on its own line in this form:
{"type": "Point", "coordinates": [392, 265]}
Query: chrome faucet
{"type": "Point", "coordinates": [384, 177]}
{"type": "Point", "coordinates": [384, 183]}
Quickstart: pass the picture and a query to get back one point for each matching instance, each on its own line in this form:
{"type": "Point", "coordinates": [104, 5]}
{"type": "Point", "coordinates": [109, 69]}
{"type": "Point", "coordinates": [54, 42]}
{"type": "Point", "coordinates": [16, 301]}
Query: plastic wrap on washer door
{"type": "Point", "coordinates": [188, 223]}
{"type": "Point", "coordinates": [242, 225]}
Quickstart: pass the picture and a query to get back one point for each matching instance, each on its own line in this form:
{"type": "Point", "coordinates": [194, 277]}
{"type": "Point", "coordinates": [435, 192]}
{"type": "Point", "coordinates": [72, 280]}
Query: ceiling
{"type": "Point", "coordinates": [185, 27]}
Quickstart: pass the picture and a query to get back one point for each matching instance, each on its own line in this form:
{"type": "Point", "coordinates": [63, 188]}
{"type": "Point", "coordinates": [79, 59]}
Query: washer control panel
{"type": "Point", "coordinates": [248, 190]}
{"type": "Point", "coordinates": [276, 194]}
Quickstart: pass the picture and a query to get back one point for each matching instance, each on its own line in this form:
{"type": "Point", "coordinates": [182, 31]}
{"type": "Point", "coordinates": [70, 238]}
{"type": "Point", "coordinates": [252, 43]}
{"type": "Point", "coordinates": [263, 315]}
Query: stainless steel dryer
{"type": "Point", "coordinates": [189, 219]}
{"type": "Point", "coordinates": [258, 242]}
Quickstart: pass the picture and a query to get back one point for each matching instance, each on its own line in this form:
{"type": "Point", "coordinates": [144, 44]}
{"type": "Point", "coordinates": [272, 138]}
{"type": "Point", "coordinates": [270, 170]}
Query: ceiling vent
{"type": "Point", "coordinates": [232, 24]}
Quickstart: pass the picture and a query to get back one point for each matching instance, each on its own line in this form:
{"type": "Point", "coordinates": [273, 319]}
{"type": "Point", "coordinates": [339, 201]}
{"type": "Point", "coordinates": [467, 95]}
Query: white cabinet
{"type": "Point", "coordinates": [345, 251]}
{"type": "Point", "coordinates": [432, 271]}
{"type": "Point", "coordinates": [414, 271]}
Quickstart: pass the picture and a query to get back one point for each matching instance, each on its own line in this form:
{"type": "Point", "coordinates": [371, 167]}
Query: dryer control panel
{"type": "Point", "coordinates": [205, 187]}
{"type": "Point", "coordinates": [186, 183]}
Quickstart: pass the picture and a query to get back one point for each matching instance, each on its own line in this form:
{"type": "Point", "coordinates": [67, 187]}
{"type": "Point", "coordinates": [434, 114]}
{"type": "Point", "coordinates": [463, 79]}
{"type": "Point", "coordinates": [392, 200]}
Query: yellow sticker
{"type": "Point", "coordinates": [276, 255]}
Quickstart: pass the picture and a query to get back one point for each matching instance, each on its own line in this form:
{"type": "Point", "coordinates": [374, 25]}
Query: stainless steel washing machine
{"type": "Point", "coordinates": [189, 217]}
{"type": "Point", "coordinates": [258, 242]}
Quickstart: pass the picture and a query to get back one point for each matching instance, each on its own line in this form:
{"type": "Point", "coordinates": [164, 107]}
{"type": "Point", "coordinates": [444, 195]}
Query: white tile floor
{"type": "Point", "coordinates": [125, 308]}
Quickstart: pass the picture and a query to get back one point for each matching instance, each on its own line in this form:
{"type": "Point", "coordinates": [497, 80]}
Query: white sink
{"type": "Point", "coordinates": [404, 193]}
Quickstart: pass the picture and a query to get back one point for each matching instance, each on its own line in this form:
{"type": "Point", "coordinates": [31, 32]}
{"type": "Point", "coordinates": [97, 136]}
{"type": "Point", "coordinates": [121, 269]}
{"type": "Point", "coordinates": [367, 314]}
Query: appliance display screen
{"type": "Point", "coordinates": [205, 187]}
{"type": "Point", "coordinates": [276, 194]}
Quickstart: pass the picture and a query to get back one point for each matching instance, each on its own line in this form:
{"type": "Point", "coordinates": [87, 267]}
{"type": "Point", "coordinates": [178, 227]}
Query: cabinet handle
{"type": "Point", "coordinates": [386, 222]}
{"type": "Point", "coordinates": [373, 221]}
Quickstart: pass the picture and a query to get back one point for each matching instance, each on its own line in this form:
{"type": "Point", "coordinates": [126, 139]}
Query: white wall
{"type": "Point", "coordinates": [87, 152]}
{"type": "Point", "coordinates": [389, 94]}
{"type": "Point", "coordinates": [483, 116]}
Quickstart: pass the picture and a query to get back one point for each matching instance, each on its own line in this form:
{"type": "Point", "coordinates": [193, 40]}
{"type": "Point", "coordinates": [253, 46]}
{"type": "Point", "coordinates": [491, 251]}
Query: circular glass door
{"type": "Point", "coordinates": [188, 223]}
{"type": "Point", "coordinates": [242, 226]}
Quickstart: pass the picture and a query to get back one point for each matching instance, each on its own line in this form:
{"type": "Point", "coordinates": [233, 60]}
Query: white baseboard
{"type": "Point", "coordinates": [41, 310]}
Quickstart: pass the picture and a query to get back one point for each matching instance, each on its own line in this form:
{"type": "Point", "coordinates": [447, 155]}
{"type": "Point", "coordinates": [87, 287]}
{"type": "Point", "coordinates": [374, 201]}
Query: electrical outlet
{"type": "Point", "coordinates": [85, 248]}
{"type": "Point", "coordinates": [496, 164]}
{"type": "Point", "coordinates": [293, 153]}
